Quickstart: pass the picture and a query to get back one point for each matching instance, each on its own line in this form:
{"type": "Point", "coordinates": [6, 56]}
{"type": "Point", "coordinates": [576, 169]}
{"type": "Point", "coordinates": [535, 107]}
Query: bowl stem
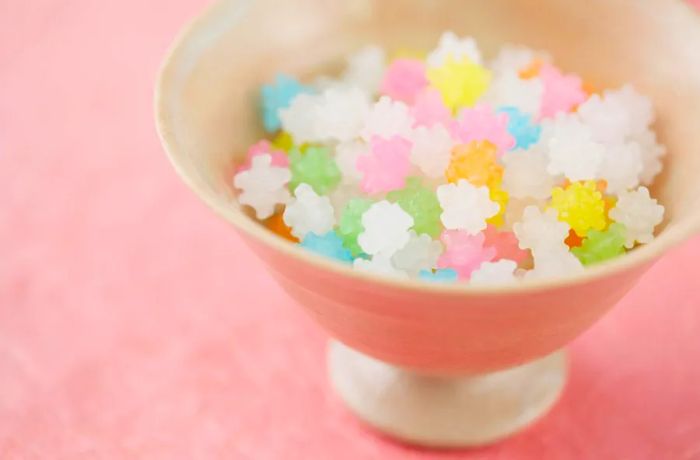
{"type": "Point", "coordinates": [445, 411]}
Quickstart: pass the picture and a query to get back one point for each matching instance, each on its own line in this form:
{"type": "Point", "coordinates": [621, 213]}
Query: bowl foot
{"type": "Point", "coordinates": [445, 411]}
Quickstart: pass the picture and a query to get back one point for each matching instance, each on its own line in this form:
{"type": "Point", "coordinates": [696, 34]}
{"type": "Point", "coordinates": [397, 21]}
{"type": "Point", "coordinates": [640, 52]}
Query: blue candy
{"type": "Point", "coordinates": [279, 95]}
{"type": "Point", "coordinates": [444, 275]}
{"type": "Point", "coordinates": [329, 245]}
{"type": "Point", "coordinates": [522, 128]}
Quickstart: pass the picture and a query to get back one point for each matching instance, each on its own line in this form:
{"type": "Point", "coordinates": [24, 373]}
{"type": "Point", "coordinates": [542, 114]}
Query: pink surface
{"type": "Point", "coordinates": [134, 323]}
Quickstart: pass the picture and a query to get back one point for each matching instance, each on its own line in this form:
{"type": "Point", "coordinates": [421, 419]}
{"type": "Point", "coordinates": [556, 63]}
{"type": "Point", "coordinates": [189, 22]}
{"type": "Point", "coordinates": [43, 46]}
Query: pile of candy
{"type": "Point", "coordinates": [450, 169]}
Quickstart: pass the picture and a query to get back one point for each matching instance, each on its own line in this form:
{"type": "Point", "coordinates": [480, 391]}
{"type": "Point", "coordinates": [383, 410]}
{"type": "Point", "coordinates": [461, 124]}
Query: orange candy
{"type": "Point", "coordinates": [276, 224]}
{"type": "Point", "coordinates": [532, 70]}
{"type": "Point", "coordinates": [573, 240]}
{"type": "Point", "coordinates": [475, 162]}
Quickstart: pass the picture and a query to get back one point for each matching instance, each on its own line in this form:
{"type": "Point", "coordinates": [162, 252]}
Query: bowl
{"type": "Point", "coordinates": [443, 365]}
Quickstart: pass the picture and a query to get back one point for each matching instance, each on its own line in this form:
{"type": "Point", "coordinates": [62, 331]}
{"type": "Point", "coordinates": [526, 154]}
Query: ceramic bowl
{"type": "Point", "coordinates": [434, 364]}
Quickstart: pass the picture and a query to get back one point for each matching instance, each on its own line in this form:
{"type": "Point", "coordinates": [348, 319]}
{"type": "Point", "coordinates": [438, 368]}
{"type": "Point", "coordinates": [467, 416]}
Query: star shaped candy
{"type": "Point", "coordinates": [508, 89]}
{"type": "Point", "coordinates": [457, 48]}
{"type": "Point", "coordinates": [387, 119]}
{"type": "Point", "coordinates": [639, 213]}
{"type": "Point", "coordinates": [386, 229]}
{"type": "Point", "coordinates": [541, 230]}
{"type": "Point", "coordinates": [621, 167]}
{"type": "Point", "coordinates": [309, 213]}
{"type": "Point", "coordinates": [460, 82]}
{"type": "Point", "coordinates": [483, 124]}
{"type": "Point", "coordinates": [525, 174]}
{"type": "Point", "coordinates": [463, 252]}
{"type": "Point", "coordinates": [404, 79]}
{"type": "Point", "coordinates": [279, 95]}
{"type": "Point", "coordinates": [379, 264]}
{"type": "Point", "coordinates": [581, 205]}
{"type": "Point", "coordinates": [494, 273]}
{"type": "Point", "coordinates": [386, 166]}
{"type": "Point", "coordinates": [465, 207]}
{"type": "Point", "coordinates": [429, 109]}
{"type": "Point", "coordinates": [432, 149]}
{"type": "Point", "coordinates": [421, 203]}
{"type": "Point", "coordinates": [521, 126]}
{"type": "Point", "coordinates": [316, 167]}
{"type": "Point", "coordinates": [329, 245]}
{"type": "Point", "coordinates": [278, 157]}
{"type": "Point", "coordinates": [572, 151]}
{"type": "Point", "coordinates": [263, 186]}
{"type": "Point", "coordinates": [600, 246]}
{"type": "Point", "coordinates": [420, 253]}
{"type": "Point", "coordinates": [562, 93]}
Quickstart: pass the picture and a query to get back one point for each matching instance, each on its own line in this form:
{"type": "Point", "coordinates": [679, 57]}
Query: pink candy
{"type": "Point", "coordinates": [404, 79]}
{"type": "Point", "coordinates": [429, 109]}
{"type": "Point", "coordinates": [482, 123]}
{"type": "Point", "coordinates": [279, 157]}
{"type": "Point", "coordinates": [505, 244]}
{"type": "Point", "coordinates": [464, 252]}
{"type": "Point", "coordinates": [562, 93]}
{"type": "Point", "coordinates": [387, 165]}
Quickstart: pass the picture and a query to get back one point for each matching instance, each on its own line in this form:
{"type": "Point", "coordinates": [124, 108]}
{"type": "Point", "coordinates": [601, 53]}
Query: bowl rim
{"type": "Point", "coordinates": [643, 255]}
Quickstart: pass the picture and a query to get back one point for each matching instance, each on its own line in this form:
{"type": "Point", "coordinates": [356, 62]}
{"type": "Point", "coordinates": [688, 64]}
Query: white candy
{"type": "Point", "coordinates": [607, 118]}
{"type": "Point", "coordinates": [621, 167]}
{"type": "Point", "coordinates": [452, 46]}
{"type": "Point", "coordinates": [365, 69]}
{"type": "Point", "coordinates": [639, 109]}
{"type": "Point", "coordinates": [525, 174]}
{"type": "Point", "coordinates": [309, 212]}
{"type": "Point", "coordinates": [388, 118]}
{"type": "Point", "coordinates": [639, 213]}
{"type": "Point", "coordinates": [379, 264]}
{"type": "Point", "coordinates": [301, 118]}
{"type": "Point", "coordinates": [507, 89]}
{"type": "Point", "coordinates": [386, 228]}
{"type": "Point", "coordinates": [652, 152]}
{"type": "Point", "coordinates": [493, 273]}
{"type": "Point", "coordinates": [263, 186]}
{"type": "Point", "coordinates": [513, 58]}
{"type": "Point", "coordinates": [572, 151]}
{"type": "Point", "coordinates": [540, 230]}
{"type": "Point", "coordinates": [553, 262]}
{"type": "Point", "coordinates": [515, 209]}
{"type": "Point", "coordinates": [432, 149]}
{"type": "Point", "coordinates": [465, 207]}
{"type": "Point", "coordinates": [337, 114]}
{"type": "Point", "coordinates": [346, 155]}
{"type": "Point", "coordinates": [420, 253]}
{"type": "Point", "coordinates": [342, 113]}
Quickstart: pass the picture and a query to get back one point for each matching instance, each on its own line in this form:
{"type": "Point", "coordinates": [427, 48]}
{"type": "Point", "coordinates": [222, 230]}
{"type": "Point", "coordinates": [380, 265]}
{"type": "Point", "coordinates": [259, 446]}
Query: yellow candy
{"type": "Point", "coordinates": [476, 162]}
{"type": "Point", "coordinates": [460, 83]}
{"type": "Point", "coordinates": [500, 196]}
{"type": "Point", "coordinates": [581, 206]}
{"type": "Point", "coordinates": [283, 141]}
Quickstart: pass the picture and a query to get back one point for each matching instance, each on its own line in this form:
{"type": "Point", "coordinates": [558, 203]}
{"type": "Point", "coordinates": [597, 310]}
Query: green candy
{"type": "Point", "coordinates": [350, 225]}
{"type": "Point", "coordinates": [315, 166]}
{"type": "Point", "coordinates": [421, 203]}
{"type": "Point", "coordinates": [602, 245]}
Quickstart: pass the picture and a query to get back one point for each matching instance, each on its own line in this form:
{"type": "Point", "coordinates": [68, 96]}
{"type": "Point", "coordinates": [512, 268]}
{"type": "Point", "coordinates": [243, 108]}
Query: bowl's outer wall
{"type": "Point", "coordinates": [209, 84]}
{"type": "Point", "coordinates": [447, 333]}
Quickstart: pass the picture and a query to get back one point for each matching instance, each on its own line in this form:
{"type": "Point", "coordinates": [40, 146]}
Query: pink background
{"type": "Point", "coordinates": [134, 323]}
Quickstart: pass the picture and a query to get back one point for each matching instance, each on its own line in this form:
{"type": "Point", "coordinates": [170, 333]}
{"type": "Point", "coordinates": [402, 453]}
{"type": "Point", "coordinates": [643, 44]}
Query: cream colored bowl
{"type": "Point", "coordinates": [402, 338]}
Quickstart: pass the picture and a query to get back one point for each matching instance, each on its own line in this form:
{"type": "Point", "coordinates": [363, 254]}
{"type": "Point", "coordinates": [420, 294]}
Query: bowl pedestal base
{"type": "Point", "coordinates": [445, 411]}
